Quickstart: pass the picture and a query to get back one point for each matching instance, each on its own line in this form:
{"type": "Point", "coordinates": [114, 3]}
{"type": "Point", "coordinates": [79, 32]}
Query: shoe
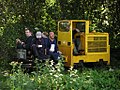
{"type": "Point", "coordinates": [58, 58]}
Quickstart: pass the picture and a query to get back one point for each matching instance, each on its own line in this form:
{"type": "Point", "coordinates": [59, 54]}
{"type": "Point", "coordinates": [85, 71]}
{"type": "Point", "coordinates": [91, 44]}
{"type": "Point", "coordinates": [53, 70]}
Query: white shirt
{"type": "Point", "coordinates": [52, 48]}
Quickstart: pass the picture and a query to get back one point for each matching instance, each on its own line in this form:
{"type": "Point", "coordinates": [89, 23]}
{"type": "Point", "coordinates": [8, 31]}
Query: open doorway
{"type": "Point", "coordinates": [78, 37]}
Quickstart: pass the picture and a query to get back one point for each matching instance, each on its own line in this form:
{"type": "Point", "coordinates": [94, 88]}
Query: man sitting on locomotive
{"type": "Point", "coordinates": [76, 41]}
{"type": "Point", "coordinates": [28, 43]}
{"type": "Point", "coordinates": [53, 48]}
{"type": "Point", "coordinates": [40, 47]}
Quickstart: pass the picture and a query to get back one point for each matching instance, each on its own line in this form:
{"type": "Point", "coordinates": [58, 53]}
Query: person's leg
{"type": "Point", "coordinates": [56, 57]}
{"type": "Point", "coordinates": [35, 51]}
{"type": "Point", "coordinates": [75, 51]}
{"type": "Point", "coordinates": [78, 44]}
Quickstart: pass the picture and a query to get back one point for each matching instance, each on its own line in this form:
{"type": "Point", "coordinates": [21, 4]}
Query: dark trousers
{"type": "Point", "coordinates": [54, 55]}
{"type": "Point", "coordinates": [39, 54]}
{"type": "Point", "coordinates": [77, 45]}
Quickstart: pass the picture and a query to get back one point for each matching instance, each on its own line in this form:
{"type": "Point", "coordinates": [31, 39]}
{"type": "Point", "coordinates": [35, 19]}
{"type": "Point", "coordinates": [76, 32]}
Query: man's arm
{"type": "Point", "coordinates": [28, 44]}
{"type": "Point", "coordinates": [56, 46]}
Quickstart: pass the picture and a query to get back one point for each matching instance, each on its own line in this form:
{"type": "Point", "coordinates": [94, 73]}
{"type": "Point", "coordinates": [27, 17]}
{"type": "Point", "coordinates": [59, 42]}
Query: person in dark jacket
{"type": "Point", "coordinates": [76, 41]}
{"type": "Point", "coordinates": [28, 43]}
{"type": "Point", "coordinates": [40, 47]}
{"type": "Point", "coordinates": [52, 47]}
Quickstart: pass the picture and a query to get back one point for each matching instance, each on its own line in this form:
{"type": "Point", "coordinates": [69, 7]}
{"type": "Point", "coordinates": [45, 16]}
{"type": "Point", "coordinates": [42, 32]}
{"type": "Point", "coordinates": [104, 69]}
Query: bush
{"type": "Point", "coordinates": [55, 77]}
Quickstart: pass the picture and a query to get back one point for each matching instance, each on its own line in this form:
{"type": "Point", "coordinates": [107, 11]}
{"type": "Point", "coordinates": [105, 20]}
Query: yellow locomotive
{"type": "Point", "coordinates": [94, 46]}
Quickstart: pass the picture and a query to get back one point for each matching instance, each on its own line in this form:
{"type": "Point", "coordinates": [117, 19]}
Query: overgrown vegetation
{"type": "Point", "coordinates": [15, 15]}
{"type": "Point", "coordinates": [57, 78]}
{"type": "Point", "coordinates": [44, 15]}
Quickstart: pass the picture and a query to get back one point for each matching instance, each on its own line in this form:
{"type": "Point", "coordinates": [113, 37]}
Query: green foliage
{"type": "Point", "coordinates": [55, 77]}
{"type": "Point", "coordinates": [44, 15]}
{"type": "Point", "coordinates": [15, 15]}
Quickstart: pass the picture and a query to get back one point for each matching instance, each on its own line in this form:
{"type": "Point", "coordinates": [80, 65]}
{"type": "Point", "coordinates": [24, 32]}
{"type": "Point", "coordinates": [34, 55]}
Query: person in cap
{"type": "Point", "coordinates": [40, 47]}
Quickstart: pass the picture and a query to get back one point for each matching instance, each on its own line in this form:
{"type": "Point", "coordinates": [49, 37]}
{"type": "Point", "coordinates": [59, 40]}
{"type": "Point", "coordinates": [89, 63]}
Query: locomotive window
{"type": "Point", "coordinates": [64, 26]}
{"type": "Point", "coordinates": [81, 26]}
